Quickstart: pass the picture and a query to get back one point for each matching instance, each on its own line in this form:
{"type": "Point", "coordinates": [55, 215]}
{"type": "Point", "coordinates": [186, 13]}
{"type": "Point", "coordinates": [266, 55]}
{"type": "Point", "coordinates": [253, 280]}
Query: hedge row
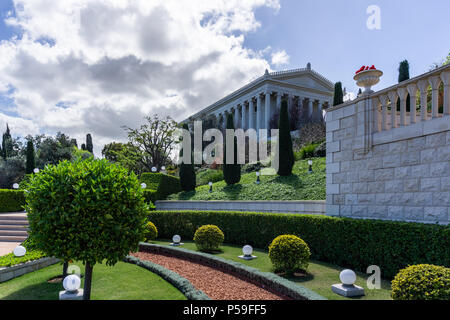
{"type": "Point", "coordinates": [173, 278]}
{"type": "Point", "coordinates": [163, 184]}
{"type": "Point", "coordinates": [266, 279]}
{"type": "Point", "coordinates": [11, 200]}
{"type": "Point", "coordinates": [346, 242]}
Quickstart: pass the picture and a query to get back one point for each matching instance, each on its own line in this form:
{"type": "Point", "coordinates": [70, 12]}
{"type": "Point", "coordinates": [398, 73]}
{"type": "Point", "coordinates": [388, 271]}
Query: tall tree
{"type": "Point", "coordinates": [31, 162]}
{"type": "Point", "coordinates": [187, 171]}
{"type": "Point", "coordinates": [89, 145]}
{"type": "Point", "coordinates": [83, 146]}
{"type": "Point", "coordinates": [231, 171]}
{"type": "Point", "coordinates": [403, 74]}
{"type": "Point", "coordinates": [285, 154]}
{"type": "Point", "coordinates": [338, 94]}
{"type": "Point", "coordinates": [7, 144]}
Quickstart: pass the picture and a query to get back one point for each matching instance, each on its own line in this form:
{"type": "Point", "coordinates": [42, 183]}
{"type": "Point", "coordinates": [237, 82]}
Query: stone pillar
{"type": "Point", "coordinates": [434, 83]}
{"type": "Point", "coordinates": [267, 111]}
{"type": "Point", "coordinates": [412, 90]}
{"type": "Point", "coordinates": [258, 112]}
{"type": "Point", "coordinates": [278, 106]}
{"type": "Point", "coordinates": [403, 94]}
{"type": "Point", "coordinates": [445, 77]}
{"type": "Point", "coordinates": [384, 104]}
{"type": "Point", "coordinates": [423, 88]}
{"type": "Point", "coordinates": [251, 114]}
{"type": "Point", "coordinates": [244, 116]}
{"type": "Point", "coordinates": [320, 108]}
{"type": "Point", "coordinates": [310, 108]}
{"type": "Point", "coordinates": [393, 98]}
{"type": "Point", "coordinates": [239, 116]}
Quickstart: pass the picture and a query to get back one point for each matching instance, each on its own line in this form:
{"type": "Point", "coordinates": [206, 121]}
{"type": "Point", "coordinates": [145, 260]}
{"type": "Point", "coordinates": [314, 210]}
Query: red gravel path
{"type": "Point", "coordinates": [215, 283]}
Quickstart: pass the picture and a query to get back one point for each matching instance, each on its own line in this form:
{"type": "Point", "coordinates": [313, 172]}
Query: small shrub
{"type": "Point", "coordinates": [321, 150]}
{"type": "Point", "coordinates": [422, 282]}
{"type": "Point", "coordinates": [289, 253]}
{"type": "Point", "coordinates": [306, 152]}
{"type": "Point", "coordinates": [150, 196]}
{"type": "Point", "coordinates": [11, 200]}
{"type": "Point", "coordinates": [151, 232]}
{"type": "Point", "coordinates": [208, 238]}
{"type": "Point", "coordinates": [205, 176]}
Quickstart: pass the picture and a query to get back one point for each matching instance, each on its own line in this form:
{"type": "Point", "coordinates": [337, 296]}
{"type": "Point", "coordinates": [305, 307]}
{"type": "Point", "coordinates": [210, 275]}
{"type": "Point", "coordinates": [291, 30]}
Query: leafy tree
{"type": "Point", "coordinates": [231, 171]}
{"type": "Point", "coordinates": [12, 171]}
{"type": "Point", "coordinates": [89, 145]}
{"type": "Point", "coordinates": [53, 150]}
{"type": "Point", "coordinates": [285, 154]}
{"type": "Point", "coordinates": [91, 211]}
{"type": "Point", "coordinates": [110, 151]}
{"type": "Point", "coordinates": [153, 142]}
{"type": "Point", "coordinates": [187, 170]}
{"type": "Point", "coordinates": [31, 162]}
{"type": "Point", "coordinates": [338, 94]}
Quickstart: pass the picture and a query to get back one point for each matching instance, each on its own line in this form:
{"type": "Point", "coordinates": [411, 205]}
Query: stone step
{"type": "Point", "coordinates": [13, 233]}
{"type": "Point", "coordinates": [19, 227]}
{"type": "Point", "coordinates": [12, 238]}
{"type": "Point", "coordinates": [13, 222]}
{"type": "Point", "coordinates": [13, 217]}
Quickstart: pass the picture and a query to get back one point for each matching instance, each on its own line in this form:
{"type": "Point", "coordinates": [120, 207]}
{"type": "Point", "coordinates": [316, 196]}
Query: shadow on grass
{"type": "Point", "coordinates": [186, 195]}
{"type": "Point", "coordinates": [41, 291]}
{"type": "Point", "coordinates": [292, 180]}
{"type": "Point", "coordinates": [232, 191]}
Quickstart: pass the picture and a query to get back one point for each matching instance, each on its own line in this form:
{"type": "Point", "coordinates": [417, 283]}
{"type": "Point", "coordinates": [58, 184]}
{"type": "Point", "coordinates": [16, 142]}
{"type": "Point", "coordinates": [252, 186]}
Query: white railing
{"type": "Point", "coordinates": [386, 115]}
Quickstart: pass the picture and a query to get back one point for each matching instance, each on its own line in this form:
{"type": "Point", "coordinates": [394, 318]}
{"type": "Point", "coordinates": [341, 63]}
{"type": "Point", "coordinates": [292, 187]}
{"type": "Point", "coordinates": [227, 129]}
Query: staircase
{"type": "Point", "coordinates": [13, 227]}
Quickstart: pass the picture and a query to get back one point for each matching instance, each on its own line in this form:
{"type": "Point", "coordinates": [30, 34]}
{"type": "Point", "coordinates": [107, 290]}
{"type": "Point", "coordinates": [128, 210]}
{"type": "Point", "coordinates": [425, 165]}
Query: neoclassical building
{"type": "Point", "coordinates": [254, 104]}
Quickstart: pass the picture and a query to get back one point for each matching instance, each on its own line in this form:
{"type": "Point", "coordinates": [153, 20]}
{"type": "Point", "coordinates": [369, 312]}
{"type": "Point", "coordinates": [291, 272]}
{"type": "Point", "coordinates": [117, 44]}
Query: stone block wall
{"type": "Point", "coordinates": [399, 174]}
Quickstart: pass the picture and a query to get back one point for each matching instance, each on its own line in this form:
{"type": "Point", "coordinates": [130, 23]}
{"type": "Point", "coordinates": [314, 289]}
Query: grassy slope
{"type": "Point", "coordinates": [299, 186]}
{"type": "Point", "coordinates": [122, 282]}
{"type": "Point", "coordinates": [322, 275]}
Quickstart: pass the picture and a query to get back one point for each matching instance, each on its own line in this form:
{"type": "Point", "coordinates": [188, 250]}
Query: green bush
{"type": "Point", "coordinates": [353, 243]}
{"type": "Point", "coordinates": [289, 253]}
{"type": "Point", "coordinates": [208, 238]}
{"type": "Point", "coordinates": [306, 152]}
{"type": "Point", "coordinates": [163, 184]}
{"type": "Point", "coordinates": [205, 176]}
{"type": "Point", "coordinates": [422, 282]}
{"type": "Point", "coordinates": [321, 150]}
{"type": "Point", "coordinates": [150, 196]}
{"type": "Point", "coordinates": [151, 232]}
{"type": "Point", "coordinates": [11, 200]}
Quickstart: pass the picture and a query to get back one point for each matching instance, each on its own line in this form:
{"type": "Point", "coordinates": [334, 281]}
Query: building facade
{"type": "Point", "coordinates": [256, 103]}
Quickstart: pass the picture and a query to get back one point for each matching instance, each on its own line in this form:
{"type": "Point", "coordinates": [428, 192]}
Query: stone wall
{"type": "Point", "coordinates": [399, 173]}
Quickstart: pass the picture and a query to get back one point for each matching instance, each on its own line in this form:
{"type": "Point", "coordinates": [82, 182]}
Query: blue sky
{"type": "Point", "coordinates": [99, 69]}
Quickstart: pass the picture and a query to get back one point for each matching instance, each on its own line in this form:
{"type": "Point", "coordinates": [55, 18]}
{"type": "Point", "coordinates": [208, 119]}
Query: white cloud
{"type": "Point", "coordinates": [280, 58]}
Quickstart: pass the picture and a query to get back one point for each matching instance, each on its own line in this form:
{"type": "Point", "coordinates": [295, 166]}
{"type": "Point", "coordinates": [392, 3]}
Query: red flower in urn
{"type": "Point", "coordinates": [365, 68]}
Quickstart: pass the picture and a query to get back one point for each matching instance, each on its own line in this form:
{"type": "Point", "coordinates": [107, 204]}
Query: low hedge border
{"type": "Point", "coordinates": [173, 278]}
{"type": "Point", "coordinates": [346, 242]}
{"type": "Point", "coordinates": [277, 283]}
{"type": "Point", "coordinates": [11, 200]}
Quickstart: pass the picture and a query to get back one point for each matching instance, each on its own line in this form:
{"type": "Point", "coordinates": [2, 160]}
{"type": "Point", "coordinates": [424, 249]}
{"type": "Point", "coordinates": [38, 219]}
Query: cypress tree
{"type": "Point", "coordinates": [286, 158]}
{"type": "Point", "coordinates": [403, 74]}
{"type": "Point", "coordinates": [232, 171]}
{"type": "Point", "coordinates": [187, 171]}
{"type": "Point", "coordinates": [89, 146]}
{"type": "Point", "coordinates": [338, 94]}
{"type": "Point", "coordinates": [7, 146]}
{"type": "Point", "coordinates": [83, 146]}
{"type": "Point", "coordinates": [31, 163]}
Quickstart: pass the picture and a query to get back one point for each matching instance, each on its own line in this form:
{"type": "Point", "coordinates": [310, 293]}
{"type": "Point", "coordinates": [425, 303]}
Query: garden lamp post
{"type": "Point", "coordinates": [310, 166]}
{"type": "Point", "coordinates": [210, 187]}
{"type": "Point", "coordinates": [176, 241]}
{"type": "Point", "coordinates": [36, 170]}
{"type": "Point", "coordinates": [257, 177]}
{"type": "Point", "coordinates": [347, 288]}
{"type": "Point", "coordinates": [247, 251]}
{"type": "Point", "coordinates": [154, 169]}
{"type": "Point", "coordinates": [15, 186]}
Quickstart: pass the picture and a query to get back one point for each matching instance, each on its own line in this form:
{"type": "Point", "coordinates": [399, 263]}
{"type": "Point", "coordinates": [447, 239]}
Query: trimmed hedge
{"type": "Point", "coordinates": [150, 195]}
{"type": "Point", "coordinates": [173, 278]}
{"type": "Point", "coordinates": [163, 184]}
{"type": "Point", "coordinates": [11, 200]}
{"type": "Point", "coordinates": [346, 242]}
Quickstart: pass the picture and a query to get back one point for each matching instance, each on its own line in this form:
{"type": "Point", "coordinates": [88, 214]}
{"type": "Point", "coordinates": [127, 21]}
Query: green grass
{"type": "Point", "coordinates": [321, 275]}
{"type": "Point", "coordinates": [299, 186]}
{"type": "Point", "coordinates": [122, 282]}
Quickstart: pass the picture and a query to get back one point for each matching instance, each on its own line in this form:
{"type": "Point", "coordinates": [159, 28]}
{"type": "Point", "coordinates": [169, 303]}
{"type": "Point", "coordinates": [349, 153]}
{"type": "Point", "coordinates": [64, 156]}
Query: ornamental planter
{"type": "Point", "coordinates": [367, 79]}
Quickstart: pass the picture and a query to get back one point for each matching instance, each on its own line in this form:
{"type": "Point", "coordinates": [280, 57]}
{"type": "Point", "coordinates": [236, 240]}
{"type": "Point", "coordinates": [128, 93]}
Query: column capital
{"type": "Point", "coordinates": [412, 89]}
{"type": "Point", "coordinates": [392, 96]}
{"type": "Point", "coordinates": [383, 99]}
{"type": "Point", "coordinates": [445, 77]}
{"type": "Point", "coordinates": [402, 93]}
{"type": "Point", "coordinates": [434, 81]}
{"type": "Point", "coordinates": [422, 85]}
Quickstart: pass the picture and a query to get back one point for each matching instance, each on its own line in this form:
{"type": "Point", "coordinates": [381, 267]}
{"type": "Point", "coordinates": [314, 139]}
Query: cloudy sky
{"type": "Point", "coordinates": [92, 66]}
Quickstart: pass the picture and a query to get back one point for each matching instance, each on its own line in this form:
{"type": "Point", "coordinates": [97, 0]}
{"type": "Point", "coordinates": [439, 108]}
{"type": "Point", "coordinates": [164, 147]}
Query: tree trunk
{"type": "Point", "coordinates": [65, 267]}
{"type": "Point", "coordinates": [87, 282]}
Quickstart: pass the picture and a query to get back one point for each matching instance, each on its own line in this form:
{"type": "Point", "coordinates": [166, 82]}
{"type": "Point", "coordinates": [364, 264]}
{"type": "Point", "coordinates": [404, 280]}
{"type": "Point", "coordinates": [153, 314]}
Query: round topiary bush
{"type": "Point", "coordinates": [151, 232]}
{"type": "Point", "coordinates": [289, 253]}
{"type": "Point", "coordinates": [91, 211]}
{"type": "Point", "coordinates": [422, 282]}
{"type": "Point", "coordinates": [208, 238]}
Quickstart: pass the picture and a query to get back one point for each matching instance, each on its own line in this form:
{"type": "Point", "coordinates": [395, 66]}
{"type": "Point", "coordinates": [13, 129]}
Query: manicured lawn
{"type": "Point", "coordinates": [299, 186]}
{"type": "Point", "coordinates": [122, 282]}
{"type": "Point", "coordinates": [321, 275]}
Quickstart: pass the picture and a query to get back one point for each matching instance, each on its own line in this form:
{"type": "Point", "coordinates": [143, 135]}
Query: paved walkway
{"type": "Point", "coordinates": [7, 247]}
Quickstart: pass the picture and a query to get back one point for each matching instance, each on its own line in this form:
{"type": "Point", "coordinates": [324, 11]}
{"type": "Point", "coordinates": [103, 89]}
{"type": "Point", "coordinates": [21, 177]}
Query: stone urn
{"type": "Point", "coordinates": [367, 79]}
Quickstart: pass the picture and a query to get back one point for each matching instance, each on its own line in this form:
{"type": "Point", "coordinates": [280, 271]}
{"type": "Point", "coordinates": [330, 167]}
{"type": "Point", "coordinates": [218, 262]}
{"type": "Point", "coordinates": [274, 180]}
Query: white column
{"type": "Point", "coordinates": [244, 116]}
{"type": "Point", "coordinates": [278, 106]}
{"type": "Point", "coordinates": [239, 117]}
{"type": "Point", "coordinates": [251, 114]}
{"type": "Point", "coordinates": [376, 115]}
{"type": "Point", "coordinates": [267, 111]}
{"type": "Point", "coordinates": [383, 100]}
{"type": "Point", "coordinates": [393, 98]}
{"type": "Point", "coordinates": [403, 94]}
{"type": "Point", "coordinates": [258, 113]}
{"type": "Point", "coordinates": [423, 88]}
{"type": "Point", "coordinates": [320, 107]}
{"type": "Point", "coordinates": [310, 108]}
{"type": "Point", "coordinates": [412, 90]}
{"type": "Point", "coordinates": [434, 83]}
{"type": "Point", "coordinates": [445, 77]}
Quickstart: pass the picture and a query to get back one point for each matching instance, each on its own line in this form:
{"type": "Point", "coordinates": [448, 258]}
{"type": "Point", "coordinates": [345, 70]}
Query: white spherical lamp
{"type": "Point", "coordinates": [348, 277]}
{"type": "Point", "coordinates": [247, 250]}
{"type": "Point", "coordinates": [72, 283]}
{"type": "Point", "coordinates": [176, 239]}
{"type": "Point", "coordinates": [163, 168]}
{"type": "Point", "coordinates": [143, 185]}
{"type": "Point", "coordinates": [36, 170]}
{"type": "Point", "coordinates": [154, 169]}
{"type": "Point", "coordinates": [20, 251]}
{"type": "Point", "coordinates": [16, 186]}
